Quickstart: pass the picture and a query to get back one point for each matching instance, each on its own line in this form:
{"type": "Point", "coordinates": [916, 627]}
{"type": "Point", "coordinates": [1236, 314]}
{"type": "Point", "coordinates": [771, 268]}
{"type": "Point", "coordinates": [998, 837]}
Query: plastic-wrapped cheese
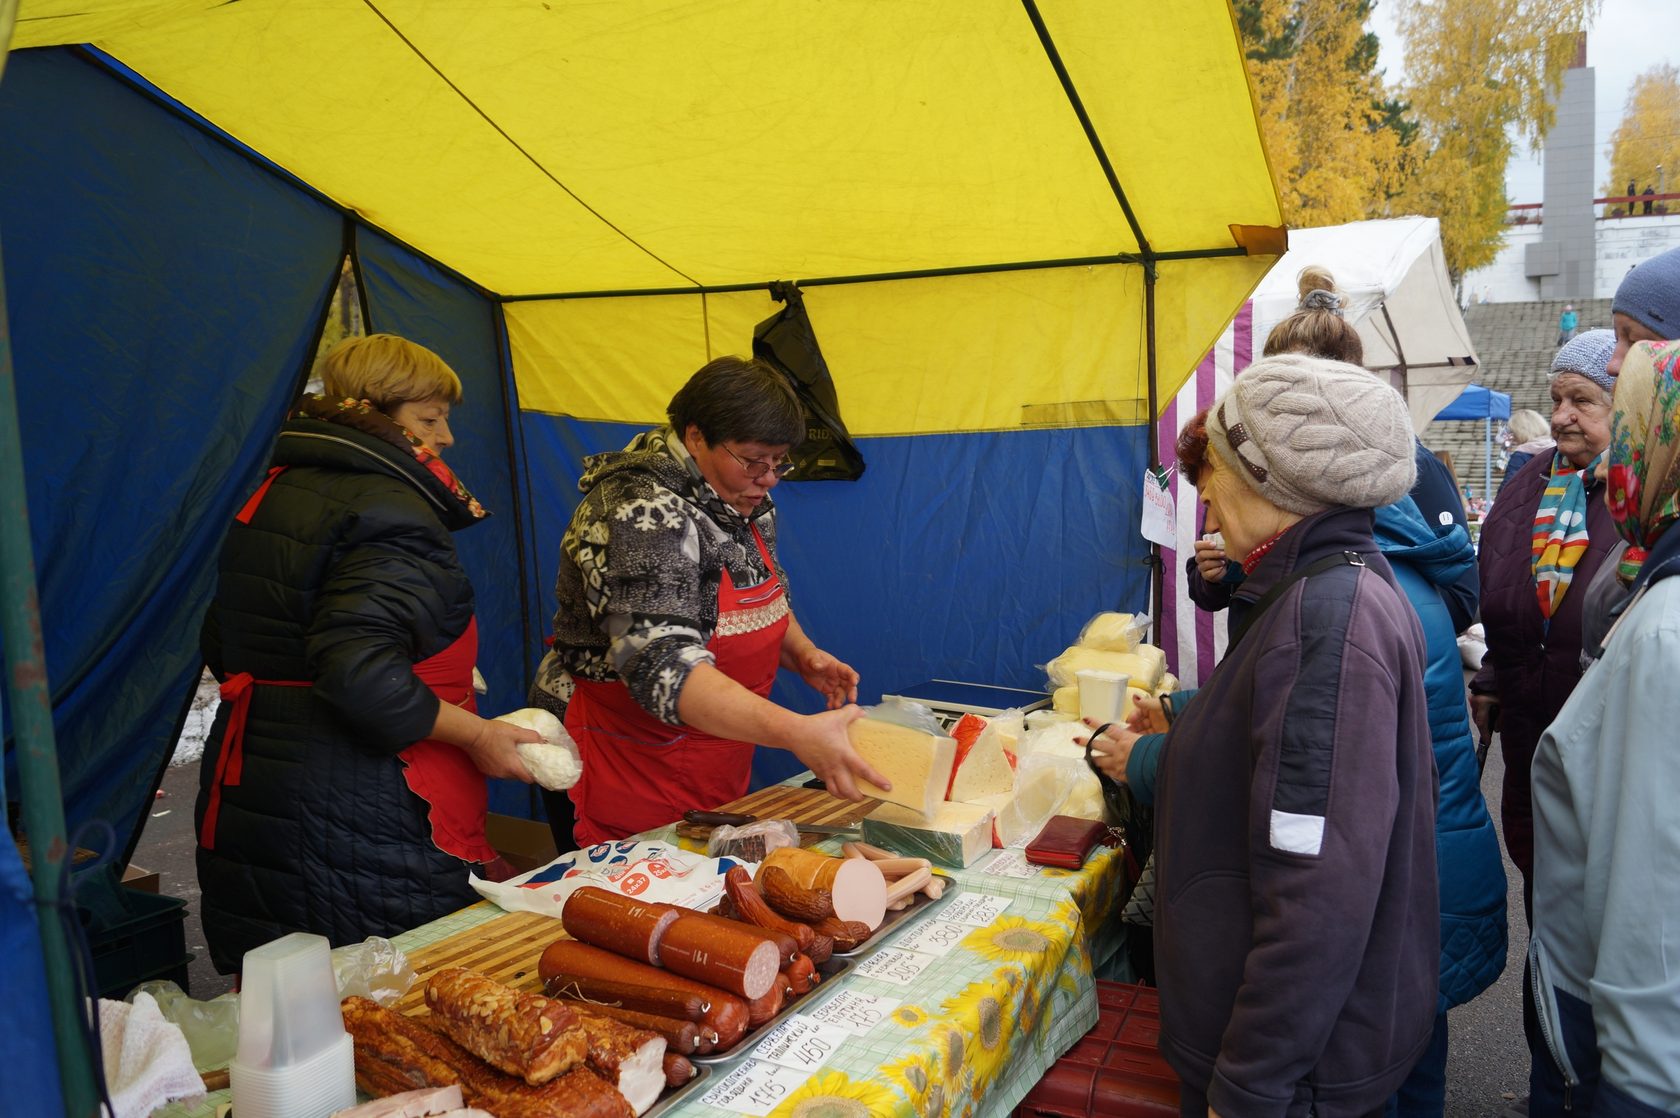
{"type": "Point", "coordinates": [1168, 684]}
{"type": "Point", "coordinates": [1066, 699]}
{"type": "Point", "coordinates": [554, 761]}
{"type": "Point", "coordinates": [1144, 665]}
{"type": "Point", "coordinates": [1112, 632]}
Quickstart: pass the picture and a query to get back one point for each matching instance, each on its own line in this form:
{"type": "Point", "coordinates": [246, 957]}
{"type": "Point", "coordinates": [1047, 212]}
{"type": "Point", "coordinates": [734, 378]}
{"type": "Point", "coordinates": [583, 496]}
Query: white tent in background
{"type": "Point", "coordinates": [1393, 274]}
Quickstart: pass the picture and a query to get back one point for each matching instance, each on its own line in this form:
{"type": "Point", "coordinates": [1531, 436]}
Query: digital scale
{"type": "Point", "coordinates": [950, 700]}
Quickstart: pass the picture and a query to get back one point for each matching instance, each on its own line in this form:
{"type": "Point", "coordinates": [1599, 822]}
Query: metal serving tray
{"type": "Point", "coordinates": [831, 970]}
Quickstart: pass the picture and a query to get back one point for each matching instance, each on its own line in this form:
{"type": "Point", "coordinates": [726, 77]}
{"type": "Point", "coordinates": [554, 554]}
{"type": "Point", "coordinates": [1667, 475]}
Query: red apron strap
{"type": "Point", "coordinates": [230, 763]}
{"type": "Point", "coordinates": [244, 515]}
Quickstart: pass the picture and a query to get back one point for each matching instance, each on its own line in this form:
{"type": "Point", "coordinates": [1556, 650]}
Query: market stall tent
{"type": "Point", "coordinates": [577, 205]}
{"type": "Point", "coordinates": [1393, 277]}
{"type": "Point", "coordinates": [1477, 402]}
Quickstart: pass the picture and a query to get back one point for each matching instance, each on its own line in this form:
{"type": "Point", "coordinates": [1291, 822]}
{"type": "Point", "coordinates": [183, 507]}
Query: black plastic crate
{"type": "Point", "coordinates": [149, 941]}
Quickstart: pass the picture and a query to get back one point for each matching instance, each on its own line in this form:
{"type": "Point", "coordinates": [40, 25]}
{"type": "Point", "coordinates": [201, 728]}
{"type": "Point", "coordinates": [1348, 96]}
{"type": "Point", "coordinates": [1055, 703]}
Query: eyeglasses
{"type": "Point", "coordinates": [758, 467]}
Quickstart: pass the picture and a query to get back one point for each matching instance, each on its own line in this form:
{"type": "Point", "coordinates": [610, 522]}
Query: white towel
{"type": "Point", "coordinates": [147, 1061]}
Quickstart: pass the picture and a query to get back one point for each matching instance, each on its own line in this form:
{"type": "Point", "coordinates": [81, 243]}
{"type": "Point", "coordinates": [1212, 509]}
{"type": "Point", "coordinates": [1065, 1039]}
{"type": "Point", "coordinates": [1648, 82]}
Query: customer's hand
{"type": "Point", "coordinates": [1484, 713]}
{"type": "Point", "coordinates": [827, 751]}
{"type": "Point", "coordinates": [1148, 716]}
{"type": "Point", "coordinates": [1210, 561]}
{"type": "Point", "coordinates": [1111, 749]}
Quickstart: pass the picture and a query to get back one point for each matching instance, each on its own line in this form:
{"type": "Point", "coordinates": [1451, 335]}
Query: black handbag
{"type": "Point", "coordinates": [787, 343]}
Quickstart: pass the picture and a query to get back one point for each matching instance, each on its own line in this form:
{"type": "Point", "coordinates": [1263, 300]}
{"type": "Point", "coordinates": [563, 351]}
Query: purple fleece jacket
{"type": "Point", "coordinates": [1297, 913]}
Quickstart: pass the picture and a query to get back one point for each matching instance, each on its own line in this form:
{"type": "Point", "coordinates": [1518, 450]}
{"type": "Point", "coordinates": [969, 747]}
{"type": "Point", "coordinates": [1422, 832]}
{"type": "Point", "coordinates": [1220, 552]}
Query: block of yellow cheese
{"type": "Point", "coordinates": [955, 836]}
{"type": "Point", "coordinates": [916, 761]}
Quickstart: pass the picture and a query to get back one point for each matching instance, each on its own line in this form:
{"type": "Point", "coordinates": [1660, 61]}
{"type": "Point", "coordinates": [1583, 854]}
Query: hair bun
{"type": "Point", "coordinates": [1314, 277]}
{"type": "Point", "coordinates": [1322, 300]}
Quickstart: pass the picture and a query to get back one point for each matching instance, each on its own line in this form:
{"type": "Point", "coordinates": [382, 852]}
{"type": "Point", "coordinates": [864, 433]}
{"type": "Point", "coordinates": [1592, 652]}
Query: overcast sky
{"type": "Point", "coordinates": [1629, 37]}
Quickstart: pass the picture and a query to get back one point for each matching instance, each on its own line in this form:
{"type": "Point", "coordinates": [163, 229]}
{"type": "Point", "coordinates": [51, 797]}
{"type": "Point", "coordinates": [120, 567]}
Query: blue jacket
{"type": "Point", "coordinates": [1427, 559]}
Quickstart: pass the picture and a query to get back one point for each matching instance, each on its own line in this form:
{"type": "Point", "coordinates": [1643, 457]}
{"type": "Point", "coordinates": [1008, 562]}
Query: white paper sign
{"type": "Point", "coordinates": [1009, 863]}
{"type": "Point", "coordinates": [756, 1087]}
{"type": "Point", "coordinates": [1160, 519]}
{"type": "Point", "coordinates": [855, 1011]}
{"type": "Point", "coordinates": [977, 910]}
{"type": "Point", "coordinates": [936, 937]}
{"type": "Point", "coordinates": [893, 965]}
{"type": "Point", "coordinates": [801, 1042]}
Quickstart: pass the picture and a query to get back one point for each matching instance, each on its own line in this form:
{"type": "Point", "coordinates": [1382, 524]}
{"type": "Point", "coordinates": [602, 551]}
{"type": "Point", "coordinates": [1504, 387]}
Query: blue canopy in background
{"type": "Point", "coordinates": [1477, 402]}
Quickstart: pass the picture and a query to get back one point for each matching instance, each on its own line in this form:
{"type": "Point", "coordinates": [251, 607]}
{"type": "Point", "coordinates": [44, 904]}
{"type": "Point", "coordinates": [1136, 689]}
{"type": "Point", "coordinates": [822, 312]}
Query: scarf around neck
{"type": "Point", "coordinates": [1560, 531]}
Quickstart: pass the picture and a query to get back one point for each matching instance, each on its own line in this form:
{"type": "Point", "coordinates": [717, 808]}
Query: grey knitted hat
{"type": "Point", "coordinates": [1310, 434]}
{"type": "Point", "coordinates": [1588, 353]}
{"type": "Point", "coordinates": [1650, 294]}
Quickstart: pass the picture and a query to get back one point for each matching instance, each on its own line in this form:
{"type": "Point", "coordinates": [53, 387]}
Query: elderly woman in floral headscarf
{"type": "Point", "coordinates": [1607, 800]}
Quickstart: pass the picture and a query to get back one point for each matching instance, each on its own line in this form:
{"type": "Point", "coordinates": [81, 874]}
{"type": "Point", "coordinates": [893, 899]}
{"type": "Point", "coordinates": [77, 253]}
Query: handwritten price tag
{"type": "Point", "coordinates": [754, 1088]}
{"type": "Point", "coordinates": [890, 964]}
{"type": "Point", "coordinates": [936, 937]}
{"type": "Point", "coordinates": [1009, 863]}
{"type": "Point", "coordinates": [855, 1011]}
{"type": "Point", "coordinates": [801, 1042]}
{"type": "Point", "coordinates": [977, 910]}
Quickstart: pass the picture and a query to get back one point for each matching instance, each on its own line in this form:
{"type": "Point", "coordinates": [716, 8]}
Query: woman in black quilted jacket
{"type": "Point", "coordinates": [343, 788]}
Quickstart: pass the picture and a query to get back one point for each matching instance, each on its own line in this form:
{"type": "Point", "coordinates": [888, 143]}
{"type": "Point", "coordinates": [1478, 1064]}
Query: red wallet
{"type": "Point", "coordinates": [1065, 842]}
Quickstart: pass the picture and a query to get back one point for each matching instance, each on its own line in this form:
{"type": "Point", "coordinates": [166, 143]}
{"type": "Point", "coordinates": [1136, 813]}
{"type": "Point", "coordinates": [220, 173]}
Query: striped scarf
{"type": "Point", "coordinates": [1644, 489]}
{"type": "Point", "coordinates": [1560, 532]}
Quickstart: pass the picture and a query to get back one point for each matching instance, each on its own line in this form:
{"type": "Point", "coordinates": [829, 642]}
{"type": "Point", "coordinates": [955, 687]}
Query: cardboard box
{"type": "Point", "coordinates": [525, 843]}
{"type": "Point", "coordinates": [144, 880]}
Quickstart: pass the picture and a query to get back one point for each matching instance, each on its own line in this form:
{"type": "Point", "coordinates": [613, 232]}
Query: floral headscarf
{"type": "Point", "coordinates": [1644, 475]}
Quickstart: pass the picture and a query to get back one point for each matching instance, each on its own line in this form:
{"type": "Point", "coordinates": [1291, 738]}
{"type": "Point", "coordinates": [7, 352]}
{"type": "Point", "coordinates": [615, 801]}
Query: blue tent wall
{"type": "Point", "coordinates": [974, 556]}
{"type": "Point", "coordinates": [163, 291]}
{"type": "Point", "coordinates": [409, 295]}
{"type": "Point", "coordinates": [25, 1015]}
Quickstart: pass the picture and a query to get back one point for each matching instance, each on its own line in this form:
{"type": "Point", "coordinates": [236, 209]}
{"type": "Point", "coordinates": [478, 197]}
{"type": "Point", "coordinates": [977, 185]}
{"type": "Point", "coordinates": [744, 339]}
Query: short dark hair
{"type": "Point", "coordinates": [739, 399]}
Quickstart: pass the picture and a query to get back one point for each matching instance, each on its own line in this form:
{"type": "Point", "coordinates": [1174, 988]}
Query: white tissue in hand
{"type": "Point", "coordinates": [554, 761]}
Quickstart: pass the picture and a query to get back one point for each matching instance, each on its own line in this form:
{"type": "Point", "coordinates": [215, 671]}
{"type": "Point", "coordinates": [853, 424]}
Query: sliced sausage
{"type": "Point", "coordinates": [738, 957]}
{"type": "Point", "coordinates": [621, 924]}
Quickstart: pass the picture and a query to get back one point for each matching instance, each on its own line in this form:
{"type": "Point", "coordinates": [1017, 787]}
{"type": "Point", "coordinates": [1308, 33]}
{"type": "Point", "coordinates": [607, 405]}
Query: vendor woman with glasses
{"type": "Point", "coordinates": [674, 616]}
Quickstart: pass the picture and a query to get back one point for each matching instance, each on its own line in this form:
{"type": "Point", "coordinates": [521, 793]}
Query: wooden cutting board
{"type": "Point", "coordinates": [505, 948]}
{"type": "Point", "coordinates": [779, 801]}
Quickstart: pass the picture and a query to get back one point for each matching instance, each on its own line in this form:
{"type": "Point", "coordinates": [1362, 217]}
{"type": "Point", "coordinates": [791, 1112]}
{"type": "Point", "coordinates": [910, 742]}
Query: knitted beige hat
{"type": "Point", "coordinates": [1310, 434]}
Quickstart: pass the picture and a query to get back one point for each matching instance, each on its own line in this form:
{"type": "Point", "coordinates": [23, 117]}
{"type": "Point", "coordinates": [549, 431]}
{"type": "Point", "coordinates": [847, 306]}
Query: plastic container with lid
{"type": "Point", "coordinates": [294, 1058]}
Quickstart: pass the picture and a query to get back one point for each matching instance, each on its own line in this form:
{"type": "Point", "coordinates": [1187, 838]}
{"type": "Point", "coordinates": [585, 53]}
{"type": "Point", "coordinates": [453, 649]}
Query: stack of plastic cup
{"type": "Point", "coordinates": [294, 1059]}
{"type": "Point", "coordinates": [1102, 695]}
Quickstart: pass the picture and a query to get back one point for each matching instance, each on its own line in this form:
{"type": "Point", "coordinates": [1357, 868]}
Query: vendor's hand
{"type": "Point", "coordinates": [1148, 716]}
{"type": "Point", "coordinates": [1111, 749]}
{"type": "Point", "coordinates": [494, 752]}
{"type": "Point", "coordinates": [1484, 714]}
{"type": "Point", "coordinates": [834, 679]}
{"type": "Point", "coordinates": [827, 751]}
{"type": "Point", "coordinates": [1210, 561]}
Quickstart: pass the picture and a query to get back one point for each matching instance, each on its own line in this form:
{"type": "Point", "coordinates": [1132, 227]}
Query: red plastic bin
{"type": "Point", "coordinates": [1115, 1068]}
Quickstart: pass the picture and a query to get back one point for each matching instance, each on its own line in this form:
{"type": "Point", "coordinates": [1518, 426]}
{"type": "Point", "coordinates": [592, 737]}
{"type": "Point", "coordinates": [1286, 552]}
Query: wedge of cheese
{"type": "Point", "coordinates": [985, 771]}
{"type": "Point", "coordinates": [956, 836]}
{"type": "Point", "coordinates": [917, 762]}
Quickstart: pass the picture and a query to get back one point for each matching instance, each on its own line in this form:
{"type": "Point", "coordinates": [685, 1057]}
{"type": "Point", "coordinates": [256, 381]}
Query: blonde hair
{"type": "Point", "coordinates": [1527, 425]}
{"type": "Point", "coordinates": [387, 371]}
{"type": "Point", "coordinates": [1317, 327]}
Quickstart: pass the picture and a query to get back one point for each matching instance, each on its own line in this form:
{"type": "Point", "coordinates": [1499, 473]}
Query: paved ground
{"type": "Point", "coordinates": [1487, 1069]}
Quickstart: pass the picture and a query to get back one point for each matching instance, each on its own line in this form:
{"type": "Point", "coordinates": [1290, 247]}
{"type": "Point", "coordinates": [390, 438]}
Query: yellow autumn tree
{"type": "Point", "coordinates": [1332, 142]}
{"type": "Point", "coordinates": [1645, 148]}
{"type": "Point", "coordinates": [1480, 76]}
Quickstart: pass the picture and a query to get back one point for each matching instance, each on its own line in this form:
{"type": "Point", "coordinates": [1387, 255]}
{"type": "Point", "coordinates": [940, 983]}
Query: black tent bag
{"type": "Point", "coordinates": [787, 343]}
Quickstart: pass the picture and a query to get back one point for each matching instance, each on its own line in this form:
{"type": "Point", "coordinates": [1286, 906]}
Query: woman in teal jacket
{"type": "Point", "coordinates": [1425, 560]}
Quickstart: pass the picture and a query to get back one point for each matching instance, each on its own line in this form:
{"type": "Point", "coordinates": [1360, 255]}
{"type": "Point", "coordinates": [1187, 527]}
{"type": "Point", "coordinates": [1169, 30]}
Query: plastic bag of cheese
{"type": "Point", "coordinates": [1114, 632]}
{"type": "Point", "coordinates": [554, 761]}
{"type": "Point", "coordinates": [1144, 665]}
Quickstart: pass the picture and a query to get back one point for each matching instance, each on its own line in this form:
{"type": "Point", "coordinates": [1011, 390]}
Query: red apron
{"type": "Point", "coordinates": [441, 774]}
{"type": "Point", "coordinates": [640, 773]}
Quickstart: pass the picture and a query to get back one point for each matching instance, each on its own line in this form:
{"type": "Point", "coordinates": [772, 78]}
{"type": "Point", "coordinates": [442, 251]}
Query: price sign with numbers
{"type": "Point", "coordinates": [1009, 863]}
{"type": "Point", "coordinates": [801, 1042]}
{"type": "Point", "coordinates": [936, 937]}
{"type": "Point", "coordinates": [855, 1011]}
{"type": "Point", "coordinates": [756, 1088]}
{"type": "Point", "coordinates": [977, 910]}
{"type": "Point", "coordinates": [891, 964]}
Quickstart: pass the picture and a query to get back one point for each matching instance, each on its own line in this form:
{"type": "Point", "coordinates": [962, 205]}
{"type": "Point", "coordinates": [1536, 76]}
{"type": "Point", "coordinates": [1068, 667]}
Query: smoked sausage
{"type": "Point", "coordinates": [728, 1012]}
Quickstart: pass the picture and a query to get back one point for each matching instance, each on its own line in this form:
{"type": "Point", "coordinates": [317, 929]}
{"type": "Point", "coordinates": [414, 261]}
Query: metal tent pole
{"type": "Point", "coordinates": [37, 756]}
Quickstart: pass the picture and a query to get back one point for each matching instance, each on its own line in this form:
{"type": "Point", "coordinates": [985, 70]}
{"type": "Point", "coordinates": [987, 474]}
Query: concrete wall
{"type": "Point", "coordinates": [1563, 261]}
{"type": "Point", "coordinates": [1622, 242]}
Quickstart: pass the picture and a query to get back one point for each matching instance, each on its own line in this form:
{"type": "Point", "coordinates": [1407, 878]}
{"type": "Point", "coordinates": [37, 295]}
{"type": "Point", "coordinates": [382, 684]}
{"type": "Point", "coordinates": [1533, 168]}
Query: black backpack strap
{"type": "Point", "coordinates": [1340, 558]}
